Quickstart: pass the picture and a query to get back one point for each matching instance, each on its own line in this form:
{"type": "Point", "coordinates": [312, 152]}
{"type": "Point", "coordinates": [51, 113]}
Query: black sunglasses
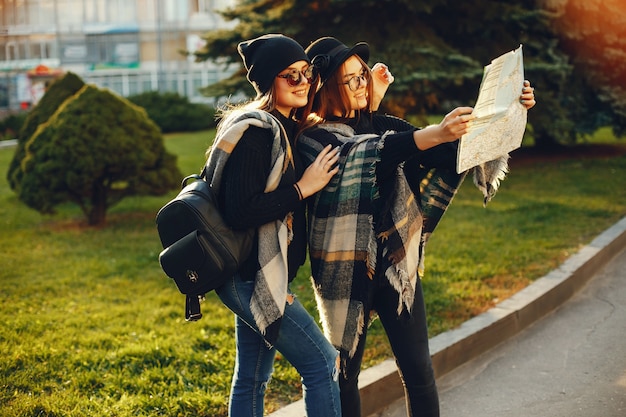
{"type": "Point", "coordinates": [294, 76]}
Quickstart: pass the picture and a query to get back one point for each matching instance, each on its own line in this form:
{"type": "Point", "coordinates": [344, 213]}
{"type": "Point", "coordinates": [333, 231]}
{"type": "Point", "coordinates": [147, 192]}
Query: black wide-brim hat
{"type": "Point", "coordinates": [328, 53]}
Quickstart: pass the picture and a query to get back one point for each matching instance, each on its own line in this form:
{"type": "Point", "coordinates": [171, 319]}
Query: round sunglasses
{"type": "Point", "coordinates": [294, 76]}
{"type": "Point", "coordinates": [355, 82]}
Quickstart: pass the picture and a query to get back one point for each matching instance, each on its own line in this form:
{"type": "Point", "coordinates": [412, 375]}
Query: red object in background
{"type": "Point", "coordinates": [44, 71]}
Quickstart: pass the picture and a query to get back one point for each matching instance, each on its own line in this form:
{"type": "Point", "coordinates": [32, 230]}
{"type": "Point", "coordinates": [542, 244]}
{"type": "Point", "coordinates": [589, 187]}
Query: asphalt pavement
{"type": "Point", "coordinates": [556, 348]}
{"type": "Point", "coordinates": [570, 363]}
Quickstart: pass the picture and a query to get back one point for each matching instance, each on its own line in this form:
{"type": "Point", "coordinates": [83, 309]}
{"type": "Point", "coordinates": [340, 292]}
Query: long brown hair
{"type": "Point", "coordinates": [260, 102]}
{"type": "Point", "coordinates": [264, 102]}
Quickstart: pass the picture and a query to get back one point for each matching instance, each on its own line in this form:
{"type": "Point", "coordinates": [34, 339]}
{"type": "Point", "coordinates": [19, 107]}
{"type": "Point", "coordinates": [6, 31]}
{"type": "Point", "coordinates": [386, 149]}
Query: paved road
{"type": "Point", "coordinates": [571, 363]}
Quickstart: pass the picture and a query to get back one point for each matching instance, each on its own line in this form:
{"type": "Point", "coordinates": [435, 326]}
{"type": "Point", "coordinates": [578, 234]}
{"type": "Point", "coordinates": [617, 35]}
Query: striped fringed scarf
{"type": "Point", "coordinates": [270, 289]}
{"type": "Point", "coordinates": [344, 235]}
{"type": "Point", "coordinates": [345, 231]}
{"type": "Point", "coordinates": [437, 188]}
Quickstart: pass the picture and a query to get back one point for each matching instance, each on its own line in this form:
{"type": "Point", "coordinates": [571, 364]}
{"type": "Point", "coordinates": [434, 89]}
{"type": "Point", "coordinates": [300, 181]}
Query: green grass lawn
{"type": "Point", "coordinates": [90, 325]}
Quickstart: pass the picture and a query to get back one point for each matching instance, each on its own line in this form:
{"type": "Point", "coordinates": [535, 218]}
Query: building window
{"type": "Point", "coordinates": [175, 10]}
{"type": "Point", "coordinates": [47, 12]}
{"type": "Point", "coordinates": [110, 11]}
{"type": "Point", "coordinates": [113, 50]}
{"type": "Point", "coordinates": [15, 50]}
{"type": "Point", "coordinates": [41, 49]}
{"type": "Point", "coordinates": [69, 14]}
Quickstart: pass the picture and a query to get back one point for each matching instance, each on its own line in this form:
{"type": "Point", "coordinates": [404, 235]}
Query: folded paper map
{"type": "Point", "coordinates": [500, 117]}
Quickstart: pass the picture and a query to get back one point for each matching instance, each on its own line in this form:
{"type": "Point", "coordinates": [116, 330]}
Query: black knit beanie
{"type": "Point", "coordinates": [266, 56]}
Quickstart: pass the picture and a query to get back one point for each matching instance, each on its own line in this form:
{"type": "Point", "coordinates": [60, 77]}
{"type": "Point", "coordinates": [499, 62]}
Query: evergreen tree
{"type": "Point", "coordinates": [96, 149]}
{"type": "Point", "coordinates": [436, 50]}
{"type": "Point", "coordinates": [58, 91]}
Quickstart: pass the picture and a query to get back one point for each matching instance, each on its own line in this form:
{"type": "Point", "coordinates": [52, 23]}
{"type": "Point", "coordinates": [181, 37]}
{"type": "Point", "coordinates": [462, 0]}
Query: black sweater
{"type": "Point", "coordinates": [400, 146]}
{"type": "Point", "coordinates": [246, 205]}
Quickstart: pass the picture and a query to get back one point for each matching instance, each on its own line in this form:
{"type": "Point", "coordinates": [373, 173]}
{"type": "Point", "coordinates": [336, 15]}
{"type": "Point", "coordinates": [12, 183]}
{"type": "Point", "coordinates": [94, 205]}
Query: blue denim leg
{"type": "Point", "coordinates": [304, 345]}
{"type": "Point", "coordinates": [254, 365]}
{"type": "Point", "coordinates": [300, 341]}
{"type": "Point", "coordinates": [254, 362]}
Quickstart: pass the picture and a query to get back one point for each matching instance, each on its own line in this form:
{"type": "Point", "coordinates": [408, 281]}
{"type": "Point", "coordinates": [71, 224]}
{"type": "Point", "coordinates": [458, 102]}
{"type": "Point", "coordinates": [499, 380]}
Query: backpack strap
{"type": "Point", "coordinates": [192, 307]}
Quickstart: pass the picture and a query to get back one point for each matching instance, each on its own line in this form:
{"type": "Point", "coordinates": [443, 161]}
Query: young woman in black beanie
{"type": "Point", "coordinates": [261, 184]}
{"type": "Point", "coordinates": [370, 224]}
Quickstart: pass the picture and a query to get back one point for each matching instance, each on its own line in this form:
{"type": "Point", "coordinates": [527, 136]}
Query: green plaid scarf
{"type": "Point", "coordinates": [270, 289]}
{"type": "Point", "coordinates": [357, 221]}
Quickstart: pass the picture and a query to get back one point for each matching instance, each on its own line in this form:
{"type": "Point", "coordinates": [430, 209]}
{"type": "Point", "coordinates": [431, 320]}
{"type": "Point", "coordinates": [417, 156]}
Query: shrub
{"type": "Point", "coordinates": [95, 150]}
{"type": "Point", "coordinates": [58, 91]}
{"type": "Point", "coordinates": [175, 113]}
{"type": "Point", "coordinates": [11, 125]}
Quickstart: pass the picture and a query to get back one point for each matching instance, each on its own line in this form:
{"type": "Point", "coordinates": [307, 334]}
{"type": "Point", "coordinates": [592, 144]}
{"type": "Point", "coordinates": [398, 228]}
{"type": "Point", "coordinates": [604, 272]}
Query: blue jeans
{"type": "Point", "coordinates": [300, 341]}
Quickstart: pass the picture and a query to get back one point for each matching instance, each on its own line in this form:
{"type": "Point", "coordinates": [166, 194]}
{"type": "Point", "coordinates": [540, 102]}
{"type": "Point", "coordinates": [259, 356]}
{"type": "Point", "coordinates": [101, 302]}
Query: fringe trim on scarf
{"type": "Point", "coordinates": [487, 177]}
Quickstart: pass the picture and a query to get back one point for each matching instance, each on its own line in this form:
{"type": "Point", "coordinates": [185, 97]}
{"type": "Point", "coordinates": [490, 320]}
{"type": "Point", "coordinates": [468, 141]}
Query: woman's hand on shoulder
{"type": "Point", "coordinates": [320, 172]}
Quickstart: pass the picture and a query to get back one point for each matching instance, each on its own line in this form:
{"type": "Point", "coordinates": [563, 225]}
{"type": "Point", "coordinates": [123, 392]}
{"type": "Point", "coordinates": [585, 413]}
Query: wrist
{"type": "Point", "coordinates": [427, 137]}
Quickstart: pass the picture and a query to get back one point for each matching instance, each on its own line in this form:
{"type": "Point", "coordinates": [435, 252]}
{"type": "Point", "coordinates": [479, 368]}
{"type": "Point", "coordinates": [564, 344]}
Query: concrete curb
{"type": "Point", "coordinates": [380, 385]}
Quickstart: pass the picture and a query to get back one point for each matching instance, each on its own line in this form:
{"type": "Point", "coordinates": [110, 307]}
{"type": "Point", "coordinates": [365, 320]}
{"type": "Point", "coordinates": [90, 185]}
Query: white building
{"type": "Point", "coordinates": [129, 46]}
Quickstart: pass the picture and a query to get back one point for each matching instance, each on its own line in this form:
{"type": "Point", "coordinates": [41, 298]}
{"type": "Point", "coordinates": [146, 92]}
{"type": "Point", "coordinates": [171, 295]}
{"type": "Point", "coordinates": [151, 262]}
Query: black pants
{"type": "Point", "coordinates": [408, 337]}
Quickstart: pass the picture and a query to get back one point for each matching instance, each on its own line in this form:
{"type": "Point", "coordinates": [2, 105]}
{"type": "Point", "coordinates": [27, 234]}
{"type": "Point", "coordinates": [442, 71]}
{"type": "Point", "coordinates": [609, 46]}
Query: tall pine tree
{"type": "Point", "coordinates": [436, 50]}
